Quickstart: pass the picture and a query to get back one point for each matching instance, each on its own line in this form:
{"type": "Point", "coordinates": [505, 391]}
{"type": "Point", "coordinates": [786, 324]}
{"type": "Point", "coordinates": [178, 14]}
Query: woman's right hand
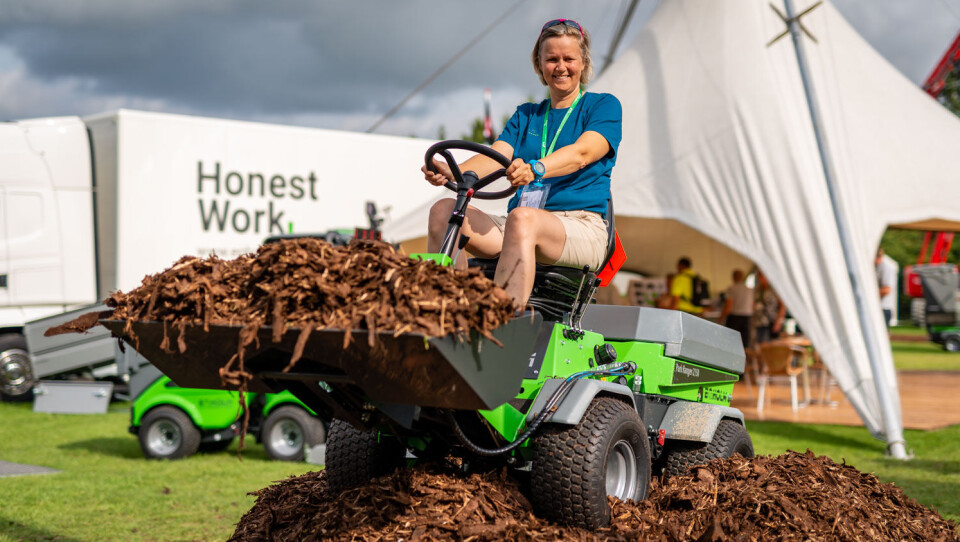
{"type": "Point", "coordinates": [442, 176]}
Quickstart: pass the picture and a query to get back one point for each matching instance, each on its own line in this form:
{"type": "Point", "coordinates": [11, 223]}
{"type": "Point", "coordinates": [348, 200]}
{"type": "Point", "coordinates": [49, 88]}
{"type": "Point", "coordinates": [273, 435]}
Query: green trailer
{"type": "Point", "coordinates": [173, 422]}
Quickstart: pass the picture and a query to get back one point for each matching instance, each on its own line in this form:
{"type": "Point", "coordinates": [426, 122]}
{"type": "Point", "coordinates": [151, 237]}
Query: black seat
{"type": "Point", "coordinates": [555, 287]}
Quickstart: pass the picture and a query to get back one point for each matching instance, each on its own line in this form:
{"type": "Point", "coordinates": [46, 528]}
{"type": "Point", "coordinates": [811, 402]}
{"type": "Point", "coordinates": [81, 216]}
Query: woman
{"type": "Point", "coordinates": [570, 142]}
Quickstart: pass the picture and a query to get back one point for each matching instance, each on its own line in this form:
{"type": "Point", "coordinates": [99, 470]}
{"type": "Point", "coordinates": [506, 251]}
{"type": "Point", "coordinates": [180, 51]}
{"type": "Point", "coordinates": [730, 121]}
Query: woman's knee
{"type": "Point", "coordinates": [440, 212]}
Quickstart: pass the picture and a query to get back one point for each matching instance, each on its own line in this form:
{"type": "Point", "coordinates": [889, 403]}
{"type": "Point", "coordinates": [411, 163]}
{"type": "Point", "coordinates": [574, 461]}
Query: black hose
{"type": "Point", "coordinates": [549, 408]}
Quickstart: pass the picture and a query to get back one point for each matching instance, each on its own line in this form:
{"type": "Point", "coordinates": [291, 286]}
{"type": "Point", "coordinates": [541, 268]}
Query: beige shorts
{"type": "Point", "coordinates": [586, 242]}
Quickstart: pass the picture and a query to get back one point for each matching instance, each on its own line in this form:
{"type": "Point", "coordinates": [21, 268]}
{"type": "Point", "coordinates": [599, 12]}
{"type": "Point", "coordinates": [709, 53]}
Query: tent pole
{"type": "Point", "coordinates": [896, 446]}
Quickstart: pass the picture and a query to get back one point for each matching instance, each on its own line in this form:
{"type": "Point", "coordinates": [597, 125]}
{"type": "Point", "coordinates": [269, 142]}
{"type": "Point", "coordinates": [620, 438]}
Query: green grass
{"type": "Point", "coordinates": [921, 355]}
{"type": "Point", "coordinates": [107, 490]}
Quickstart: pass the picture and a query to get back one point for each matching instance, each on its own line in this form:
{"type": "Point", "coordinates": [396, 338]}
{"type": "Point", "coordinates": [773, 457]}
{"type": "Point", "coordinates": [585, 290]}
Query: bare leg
{"type": "Point", "coordinates": [486, 240]}
{"type": "Point", "coordinates": [530, 236]}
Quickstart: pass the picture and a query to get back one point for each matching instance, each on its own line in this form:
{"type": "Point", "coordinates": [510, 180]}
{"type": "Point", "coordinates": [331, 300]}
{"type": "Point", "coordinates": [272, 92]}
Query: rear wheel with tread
{"type": "Point", "coordinates": [16, 370]}
{"type": "Point", "coordinates": [576, 467]}
{"type": "Point", "coordinates": [951, 343]}
{"type": "Point", "coordinates": [354, 456]}
{"type": "Point", "coordinates": [729, 438]}
{"type": "Point", "coordinates": [167, 433]}
{"type": "Point", "coordinates": [288, 431]}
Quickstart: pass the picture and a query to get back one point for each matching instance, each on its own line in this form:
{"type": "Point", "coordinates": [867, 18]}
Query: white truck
{"type": "Point", "coordinates": [92, 205]}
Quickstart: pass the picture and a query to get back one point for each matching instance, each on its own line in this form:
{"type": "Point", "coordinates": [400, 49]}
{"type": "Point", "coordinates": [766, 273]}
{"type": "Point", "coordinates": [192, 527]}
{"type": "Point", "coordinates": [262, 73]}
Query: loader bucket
{"type": "Point", "coordinates": [409, 368]}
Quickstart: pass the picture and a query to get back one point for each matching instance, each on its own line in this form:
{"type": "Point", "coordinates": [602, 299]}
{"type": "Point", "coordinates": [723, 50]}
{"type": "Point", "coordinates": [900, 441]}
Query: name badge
{"type": "Point", "coordinates": [534, 195]}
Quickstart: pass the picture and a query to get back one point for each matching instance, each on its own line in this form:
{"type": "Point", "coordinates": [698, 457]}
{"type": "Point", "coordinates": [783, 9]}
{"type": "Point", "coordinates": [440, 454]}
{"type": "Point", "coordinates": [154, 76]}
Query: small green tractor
{"type": "Point", "coordinates": [583, 401]}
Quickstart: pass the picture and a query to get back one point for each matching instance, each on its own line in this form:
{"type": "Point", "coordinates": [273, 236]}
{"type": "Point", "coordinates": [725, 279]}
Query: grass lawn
{"type": "Point", "coordinates": [108, 491]}
{"type": "Point", "coordinates": [920, 355]}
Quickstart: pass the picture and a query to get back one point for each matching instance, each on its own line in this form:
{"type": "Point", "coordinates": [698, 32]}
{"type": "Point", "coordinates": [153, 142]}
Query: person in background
{"type": "Point", "coordinates": [681, 289]}
{"type": "Point", "coordinates": [737, 311]}
{"type": "Point", "coordinates": [886, 281]}
{"type": "Point", "coordinates": [569, 141]}
{"type": "Point", "coordinates": [768, 313]}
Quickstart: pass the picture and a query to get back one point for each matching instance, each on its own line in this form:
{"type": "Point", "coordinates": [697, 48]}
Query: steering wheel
{"type": "Point", "coordinates": [443, 149]}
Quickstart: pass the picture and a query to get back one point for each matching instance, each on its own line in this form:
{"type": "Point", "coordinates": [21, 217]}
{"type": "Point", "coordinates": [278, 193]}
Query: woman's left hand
{"type": "Point", "coordinates": [520, 173]}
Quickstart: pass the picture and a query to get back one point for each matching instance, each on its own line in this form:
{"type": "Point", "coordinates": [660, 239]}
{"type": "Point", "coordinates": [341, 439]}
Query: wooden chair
{"type": "Point", "coordinates": [779, 363]}
{"type": "Point", "coordinates": [751, 370]}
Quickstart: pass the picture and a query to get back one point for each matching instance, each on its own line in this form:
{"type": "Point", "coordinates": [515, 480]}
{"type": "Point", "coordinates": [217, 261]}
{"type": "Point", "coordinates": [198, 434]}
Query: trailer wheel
{"type": "Point", "coordinates": [167, 433]}
{"type": "Point", "coordinates": [16, 371]}
{"type": "Point", "coordinates": [289, 431]}
{"type": "Point", "coordinates": [729, 438]}
{"type": "Point", "coordinates": [576, 467]}
{"type": "Point", "coordinates": [951, 343]}
{"type": "Point", "coordinates": [354, 456]}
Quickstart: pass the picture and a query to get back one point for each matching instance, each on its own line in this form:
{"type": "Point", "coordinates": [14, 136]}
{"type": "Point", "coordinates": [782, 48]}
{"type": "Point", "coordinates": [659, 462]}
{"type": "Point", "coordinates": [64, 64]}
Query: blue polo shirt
{"type": "Point", "coordinates": [589, 188]}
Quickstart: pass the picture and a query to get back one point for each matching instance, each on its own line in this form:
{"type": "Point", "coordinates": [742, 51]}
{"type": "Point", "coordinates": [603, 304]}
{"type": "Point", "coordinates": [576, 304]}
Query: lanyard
{"type": "Point", "coordinates": [544, 151]}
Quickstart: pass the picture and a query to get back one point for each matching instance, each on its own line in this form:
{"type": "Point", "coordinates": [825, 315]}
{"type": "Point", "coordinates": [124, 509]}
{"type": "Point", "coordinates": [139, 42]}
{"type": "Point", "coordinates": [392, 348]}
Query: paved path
{"type": "Point", "coordinates": [17, 469]}
{"type": "Point", "coordinates": [928, 399]}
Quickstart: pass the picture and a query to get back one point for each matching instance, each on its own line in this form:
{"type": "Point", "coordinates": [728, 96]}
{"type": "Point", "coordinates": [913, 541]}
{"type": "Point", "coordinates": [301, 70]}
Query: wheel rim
{"type": "Point", "coordinates": [164, 437]}
{"type": "Point", "coordinates": [286, 437]}
{"type": "Point", "coordinates": [621, 473]}
{"type": "Point", "coordinates": [16, 374]}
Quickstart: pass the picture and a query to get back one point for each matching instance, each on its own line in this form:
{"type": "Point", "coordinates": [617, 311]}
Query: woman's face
{"type": "Point", "coordinates": [561, 63]}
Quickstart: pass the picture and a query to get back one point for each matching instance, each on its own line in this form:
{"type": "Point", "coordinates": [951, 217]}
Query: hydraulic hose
{"type": "Point", "coordinates": [617, 369]}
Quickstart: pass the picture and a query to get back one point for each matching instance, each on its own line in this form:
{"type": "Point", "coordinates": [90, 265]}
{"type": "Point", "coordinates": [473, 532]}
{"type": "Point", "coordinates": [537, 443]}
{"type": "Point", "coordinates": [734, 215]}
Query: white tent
{"type": "Point", "coordinates": [718, 138]}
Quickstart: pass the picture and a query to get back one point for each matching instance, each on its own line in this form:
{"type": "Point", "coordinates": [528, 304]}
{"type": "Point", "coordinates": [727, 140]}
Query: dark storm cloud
{"type": "Point", "coordinates": [337, 64]}
{"type": "Point", "coordinates": [271, 58]}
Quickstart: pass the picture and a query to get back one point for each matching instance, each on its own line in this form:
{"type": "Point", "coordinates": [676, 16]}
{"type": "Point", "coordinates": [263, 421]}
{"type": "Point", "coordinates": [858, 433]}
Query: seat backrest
{"type": "Point", "coordinates": [781, 359]}
{"type": "Point", "coordinates": [615, 256]}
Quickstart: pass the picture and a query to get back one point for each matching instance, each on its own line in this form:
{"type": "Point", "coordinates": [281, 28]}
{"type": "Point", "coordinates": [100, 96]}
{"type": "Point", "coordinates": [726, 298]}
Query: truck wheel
{"type": "Point", "coordinates": [16, 371]}
{"type": "Point", "coordinates": [168, 433]}
{"type": "Point", "coordinates": [729, 438]}
{"type": "Point", "coordinates": [951, 343]}
{"type": "Point", "coordinates": [576, 467]}
{"type": "Point", "coordinates": [289, 431]}
{"type": "Point", "coordinates": [354, 456]}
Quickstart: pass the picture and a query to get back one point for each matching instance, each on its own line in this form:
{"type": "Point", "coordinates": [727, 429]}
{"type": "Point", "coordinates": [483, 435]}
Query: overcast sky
{"type": "Point", "coordinates": [340, 64]}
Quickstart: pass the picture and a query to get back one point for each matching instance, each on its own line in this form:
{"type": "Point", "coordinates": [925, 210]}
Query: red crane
{"type": "Point", "coordinates": [938, 77]}
{"type": "Point", "coordinates": [942, 241]}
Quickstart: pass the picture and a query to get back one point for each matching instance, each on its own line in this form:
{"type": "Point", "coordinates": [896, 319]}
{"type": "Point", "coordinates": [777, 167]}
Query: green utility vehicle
{"type": "Point", "coordinates": [941, 282]}
{"type": "Point", "coordinates": [173, 422]}
{"type": "Point", "coordinates": [583, 400]}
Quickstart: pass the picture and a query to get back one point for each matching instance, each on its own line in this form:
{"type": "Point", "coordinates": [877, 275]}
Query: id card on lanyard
{"type": "Point", "coordinates": [535, 193]}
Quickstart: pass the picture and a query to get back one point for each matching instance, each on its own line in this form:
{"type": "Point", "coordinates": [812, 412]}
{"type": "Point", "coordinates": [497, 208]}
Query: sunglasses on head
{"type": "Point", "coordinates": [568, 22]}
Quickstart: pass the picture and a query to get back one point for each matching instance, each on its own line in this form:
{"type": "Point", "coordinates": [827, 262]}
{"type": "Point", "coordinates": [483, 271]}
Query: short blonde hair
{"type": "Point", "coordinates": [565, 30]}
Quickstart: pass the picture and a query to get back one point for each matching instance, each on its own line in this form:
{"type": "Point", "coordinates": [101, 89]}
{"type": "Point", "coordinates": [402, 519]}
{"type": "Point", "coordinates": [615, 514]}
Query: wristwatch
{"type": "Point", "coordinates": [539, 170]}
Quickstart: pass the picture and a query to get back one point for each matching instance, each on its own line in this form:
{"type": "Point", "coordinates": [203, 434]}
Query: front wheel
{"type": "Point", "coordinates": [354, 456]}
{"type": "Point", "coordinates": [730, 438]}
{"type": "Point", "coordinates": [16, 371]}
{"type": "Point", "coordinates": [289, 431]}
{"type": "Point", "coordinates": [576, 468]}
{"type": "Point", "coordinates": [951, 343]}
{"type": "Point", "coordinates": [167, 433]}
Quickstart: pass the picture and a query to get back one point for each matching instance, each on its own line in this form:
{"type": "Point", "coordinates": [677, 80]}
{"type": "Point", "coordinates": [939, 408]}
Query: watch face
{"type": "Point", "coordinates": [538, 168]}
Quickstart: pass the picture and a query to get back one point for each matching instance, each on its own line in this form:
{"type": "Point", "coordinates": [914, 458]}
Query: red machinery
{"type": "Point", "coordinates": [933, 86]}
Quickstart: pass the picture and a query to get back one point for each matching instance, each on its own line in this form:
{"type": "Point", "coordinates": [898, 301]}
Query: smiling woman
{"type": "Point", "coordinates": [562, 153]}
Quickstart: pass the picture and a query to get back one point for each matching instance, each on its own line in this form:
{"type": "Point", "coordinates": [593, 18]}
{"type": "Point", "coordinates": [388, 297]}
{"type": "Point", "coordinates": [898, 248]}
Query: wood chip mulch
{"type": "Point", "coordinates": [794, 496]}
{"type": "Point", "coordinates": [310, 284]}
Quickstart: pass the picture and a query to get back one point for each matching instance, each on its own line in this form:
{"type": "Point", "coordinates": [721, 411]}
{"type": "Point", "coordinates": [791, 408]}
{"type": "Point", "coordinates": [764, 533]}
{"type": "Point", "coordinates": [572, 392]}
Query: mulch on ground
{"type": "Point", "coordinates": [794, 496]}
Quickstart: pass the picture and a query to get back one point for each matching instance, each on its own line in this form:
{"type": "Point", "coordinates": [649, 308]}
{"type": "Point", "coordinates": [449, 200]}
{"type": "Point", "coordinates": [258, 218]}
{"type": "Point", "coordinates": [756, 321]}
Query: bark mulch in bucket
{"type": "Point", "coordinates": [309, 284]}
{"type": "Point", "coordinates": [789, 497]}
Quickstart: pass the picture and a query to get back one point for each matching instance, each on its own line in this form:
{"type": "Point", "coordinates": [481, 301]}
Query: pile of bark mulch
{"type": "Point", "coordinates": [789, 497]}
{"type": "Point", "coordinates": [310, 284]}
